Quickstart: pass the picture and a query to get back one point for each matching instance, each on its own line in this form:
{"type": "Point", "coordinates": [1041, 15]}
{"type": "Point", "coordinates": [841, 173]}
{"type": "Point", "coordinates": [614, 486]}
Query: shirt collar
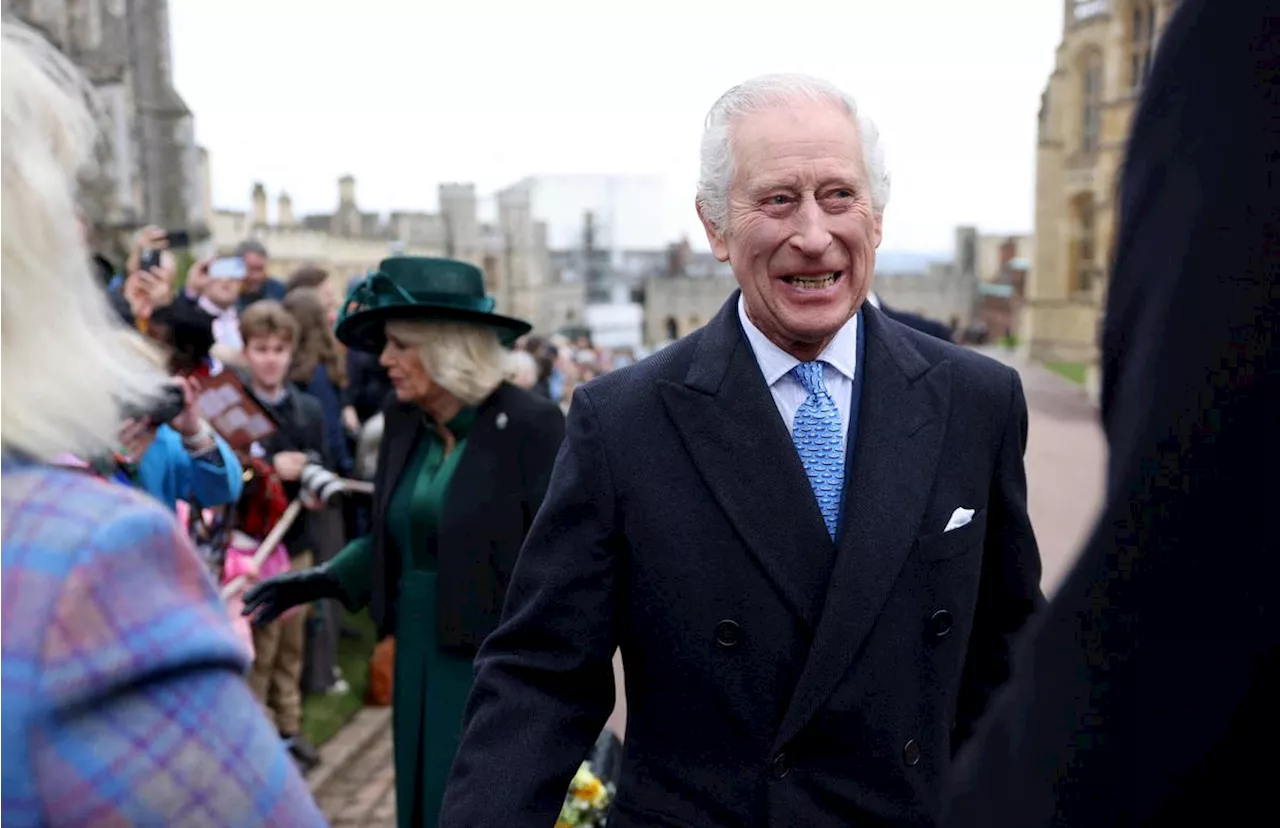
{"type": "Point", "coordinates": [213, 310]}
{"type": "Point", "coordinates": [841, 352]}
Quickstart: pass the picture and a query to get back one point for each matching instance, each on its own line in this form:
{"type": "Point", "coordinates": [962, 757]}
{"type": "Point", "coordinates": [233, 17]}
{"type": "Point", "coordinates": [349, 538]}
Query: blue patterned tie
{"type": "Point", "coordinates": [820, 443]}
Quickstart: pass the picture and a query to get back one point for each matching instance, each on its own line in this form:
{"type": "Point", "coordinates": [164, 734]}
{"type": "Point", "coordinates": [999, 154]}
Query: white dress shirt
{"type": "Point", "coordinates": [226, 324]}
{"type": "Point", "coordinates": [839, 359]}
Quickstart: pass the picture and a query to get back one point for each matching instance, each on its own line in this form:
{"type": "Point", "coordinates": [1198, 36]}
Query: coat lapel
{"type": "Point", "coordinates": [731, 428]}
{"type": "Point", "coordinates": [901, 424]}
{"type": "Point", "coordinates": [403, 429]}
{"type": "Point", "coordinates": [477, 468]}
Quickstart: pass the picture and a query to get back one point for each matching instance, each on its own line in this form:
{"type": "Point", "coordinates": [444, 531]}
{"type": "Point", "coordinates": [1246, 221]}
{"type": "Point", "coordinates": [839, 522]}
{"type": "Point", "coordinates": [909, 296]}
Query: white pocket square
{"type": "Point", "coordinates": [960, 517]}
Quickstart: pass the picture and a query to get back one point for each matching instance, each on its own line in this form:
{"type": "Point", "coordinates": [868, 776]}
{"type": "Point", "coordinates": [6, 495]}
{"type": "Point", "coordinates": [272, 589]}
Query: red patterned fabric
{"type": "Point", "coordinates": [263, 502]}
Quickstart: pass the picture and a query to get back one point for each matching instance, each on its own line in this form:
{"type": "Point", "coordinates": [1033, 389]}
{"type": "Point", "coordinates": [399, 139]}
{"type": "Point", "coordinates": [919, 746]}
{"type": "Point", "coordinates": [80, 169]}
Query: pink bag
{"type": "Point", "coordinates": [239, 561]}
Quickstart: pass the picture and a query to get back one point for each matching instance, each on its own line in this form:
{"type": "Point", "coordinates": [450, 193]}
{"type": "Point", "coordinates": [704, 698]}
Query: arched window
{"type": "Point", "coordinates": [673, 328]}
{"type": "Point", "coordinates": [1091, 98]}
{"type": "Point", "coordinates": [1085, 270]}
{"type": "Point", "coordinates": [1142, 41]}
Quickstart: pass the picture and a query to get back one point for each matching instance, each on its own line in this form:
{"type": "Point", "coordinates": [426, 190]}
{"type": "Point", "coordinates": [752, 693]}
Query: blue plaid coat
{"type": "Point", "coordinates": [124, 698]}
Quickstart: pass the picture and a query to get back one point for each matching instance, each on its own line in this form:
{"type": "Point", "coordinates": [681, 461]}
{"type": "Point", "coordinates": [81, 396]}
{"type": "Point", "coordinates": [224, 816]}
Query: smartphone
{"type": "Point", "coordinates": [178, 238]}
{"type": "Point", "coordinates": [228, 267]}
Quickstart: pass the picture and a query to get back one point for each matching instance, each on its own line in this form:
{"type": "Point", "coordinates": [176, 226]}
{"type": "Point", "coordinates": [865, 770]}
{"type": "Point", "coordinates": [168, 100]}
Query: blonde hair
{"type": "Point", "coordinates": [468, 361]}
{"type": "Point", "coordinates": [521, 362]}
{"type": "Point", "coordinates": [66, 371]}
{"type": "Point", "coordinates": [147, 350]}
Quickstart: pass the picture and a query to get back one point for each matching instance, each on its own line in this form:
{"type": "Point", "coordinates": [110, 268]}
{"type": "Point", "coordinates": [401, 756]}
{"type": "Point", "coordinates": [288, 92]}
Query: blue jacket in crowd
{"type": "Point", "coordinates": [169, 473]}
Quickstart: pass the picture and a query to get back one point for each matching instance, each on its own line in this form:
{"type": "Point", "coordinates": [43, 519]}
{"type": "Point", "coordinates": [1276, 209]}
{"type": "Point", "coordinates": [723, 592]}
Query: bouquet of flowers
{"type": "Point", "coordinates": [587, 803]}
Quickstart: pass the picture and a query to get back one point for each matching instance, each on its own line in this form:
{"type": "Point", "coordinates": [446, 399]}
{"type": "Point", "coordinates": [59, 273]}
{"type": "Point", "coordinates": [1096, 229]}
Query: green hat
{"type": "Point", "coordinates": [417, 288]}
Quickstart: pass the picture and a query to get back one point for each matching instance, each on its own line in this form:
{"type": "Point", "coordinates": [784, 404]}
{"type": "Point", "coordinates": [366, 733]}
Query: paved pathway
{"type": "Point", "coordinates": [355, 783]}
{"type": "Point", "coordinates": [1065, 462]}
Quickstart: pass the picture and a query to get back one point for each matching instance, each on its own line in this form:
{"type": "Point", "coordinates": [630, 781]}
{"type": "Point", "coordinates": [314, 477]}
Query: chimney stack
{"type": "Point", "coordinates": [259, 205]}
{"type": "Point", "coordinates": [284, 210]}
{"type": "Point", "coordinates": [347, 191]}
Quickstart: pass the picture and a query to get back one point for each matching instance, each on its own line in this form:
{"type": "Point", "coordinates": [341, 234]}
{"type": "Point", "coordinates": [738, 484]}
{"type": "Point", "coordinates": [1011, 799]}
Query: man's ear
{"type": "Point", "coordinates": [719, 248]}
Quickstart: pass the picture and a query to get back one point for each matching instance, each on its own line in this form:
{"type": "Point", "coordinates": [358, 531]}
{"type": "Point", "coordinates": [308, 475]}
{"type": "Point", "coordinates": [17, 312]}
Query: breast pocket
{"type": "Point", "coordinates": [946, 545]}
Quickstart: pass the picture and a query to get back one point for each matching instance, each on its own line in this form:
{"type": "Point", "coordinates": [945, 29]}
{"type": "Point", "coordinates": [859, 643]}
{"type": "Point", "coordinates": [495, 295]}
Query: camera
{"type": "Point", "coordinates": [170, 404]}
{"type": "Point", "coordinates": [149, 259]}
{"type": "Point", "coordinates": [320, 483]}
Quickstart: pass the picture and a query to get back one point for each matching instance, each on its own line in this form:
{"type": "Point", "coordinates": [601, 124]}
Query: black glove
{"type": "Point", "coordinates": [273, 597]}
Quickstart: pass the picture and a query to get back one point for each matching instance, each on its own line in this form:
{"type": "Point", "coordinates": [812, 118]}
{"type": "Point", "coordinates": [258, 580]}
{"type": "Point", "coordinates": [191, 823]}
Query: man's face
{"type": "Point", "coordinates": [255, 270]}
{"type": "Point", "coordinates": [801, 234]}
{"type": "Point", "coordinates": [222, 292]}
{"type": "Point", "coordinates": [268, 359]}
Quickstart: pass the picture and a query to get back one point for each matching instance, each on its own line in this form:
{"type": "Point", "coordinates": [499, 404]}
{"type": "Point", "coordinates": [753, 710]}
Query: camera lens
{"type": "Point", "coordinates": [320, 483]}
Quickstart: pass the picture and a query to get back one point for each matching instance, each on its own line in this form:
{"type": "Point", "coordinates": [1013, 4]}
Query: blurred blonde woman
{"type": "Point", "coordinates": [124, 701]}
{"type": "Point", "coordinates": [461, 471]}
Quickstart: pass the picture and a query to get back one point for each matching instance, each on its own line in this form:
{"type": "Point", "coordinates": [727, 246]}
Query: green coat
{"type": "Point", "coordinates": [462, 519]}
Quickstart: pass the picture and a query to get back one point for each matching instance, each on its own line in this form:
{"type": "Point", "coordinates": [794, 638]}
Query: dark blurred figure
{"type": "Point", "coordinates": [544, 354]}
{"type": "Point", "coordinates": [367, 384]}
{"type": "Point", "coordinates": [186, 332]}
{"type": "Point", "coordinates": [1146, 694]}
{"type": "Point", "coordinates": [912, 320]}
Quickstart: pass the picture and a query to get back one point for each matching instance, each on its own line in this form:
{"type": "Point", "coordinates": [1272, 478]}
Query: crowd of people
{"type": "Point", "coordinates": [278, 337]}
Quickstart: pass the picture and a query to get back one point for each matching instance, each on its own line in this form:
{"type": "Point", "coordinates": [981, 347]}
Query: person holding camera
{"type": "Point", "coordinates": [167, 450]}
{"type": "Point", "coordinates": [148, 283]}
{"type": "Point", "coordinates": [294, 452]}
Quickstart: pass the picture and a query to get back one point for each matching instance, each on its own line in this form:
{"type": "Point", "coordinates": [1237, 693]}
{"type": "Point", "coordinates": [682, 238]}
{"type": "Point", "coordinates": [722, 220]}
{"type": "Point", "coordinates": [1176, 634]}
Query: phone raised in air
{"type": "Point", "coordinates": [178, 238]}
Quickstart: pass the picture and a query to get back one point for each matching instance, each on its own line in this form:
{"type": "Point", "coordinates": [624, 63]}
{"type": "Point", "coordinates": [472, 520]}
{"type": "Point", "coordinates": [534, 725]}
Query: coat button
{"type": "Point", "coordinates": [728, 633]}
{"type": "Point", "coordinates": [911, 753]}
{"type": "Point", "coordinates": [940, 624]}
{"type": "Point", "coordinates": [781, 767]}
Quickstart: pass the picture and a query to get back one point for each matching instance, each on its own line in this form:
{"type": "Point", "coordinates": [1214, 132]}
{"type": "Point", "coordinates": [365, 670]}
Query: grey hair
{"type": "Point", "coordinates": [468, 361]}
{"type": "Point", "coordinates": [765, 92]}
{"type": "Point", "coordinates": [66, 369]}
{"type": "Point", "coordinates": [251, 246]}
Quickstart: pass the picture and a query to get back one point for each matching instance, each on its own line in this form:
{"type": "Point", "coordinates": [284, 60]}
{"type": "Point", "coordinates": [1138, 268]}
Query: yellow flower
{"type": "Point", "coordinates": [563, 823]}
{"type": "Point", "coordinates": [590, 790]}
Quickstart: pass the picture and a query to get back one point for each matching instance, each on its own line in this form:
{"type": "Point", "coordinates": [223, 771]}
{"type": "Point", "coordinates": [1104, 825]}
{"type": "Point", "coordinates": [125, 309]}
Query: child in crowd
{"type": "Point", "coordinates": [270, 334]}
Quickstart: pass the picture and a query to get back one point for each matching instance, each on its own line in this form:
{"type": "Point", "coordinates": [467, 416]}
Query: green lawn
{"type": "Point", "coordinates": [324, 715]}
{"type": "Point", "coordinates": [1073, 371]}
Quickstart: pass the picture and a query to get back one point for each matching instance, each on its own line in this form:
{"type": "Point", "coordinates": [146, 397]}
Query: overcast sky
{"type": "Point", "coordinates": [404, 94]}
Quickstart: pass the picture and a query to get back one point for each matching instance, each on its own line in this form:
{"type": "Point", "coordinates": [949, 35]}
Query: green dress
{"type": "Point", "coordinates": [431, 684]}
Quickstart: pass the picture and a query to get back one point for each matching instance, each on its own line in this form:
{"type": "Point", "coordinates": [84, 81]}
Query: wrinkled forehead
{"type": "Point", "coordinates": [797, 143]}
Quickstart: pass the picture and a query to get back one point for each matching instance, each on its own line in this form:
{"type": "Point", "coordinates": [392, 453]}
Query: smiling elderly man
{"type": "Point", "coordinates": [805, 526]}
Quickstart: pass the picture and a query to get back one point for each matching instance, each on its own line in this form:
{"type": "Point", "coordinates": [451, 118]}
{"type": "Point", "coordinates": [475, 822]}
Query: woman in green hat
{"type": "Point", "coordinates": [462, 469]}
